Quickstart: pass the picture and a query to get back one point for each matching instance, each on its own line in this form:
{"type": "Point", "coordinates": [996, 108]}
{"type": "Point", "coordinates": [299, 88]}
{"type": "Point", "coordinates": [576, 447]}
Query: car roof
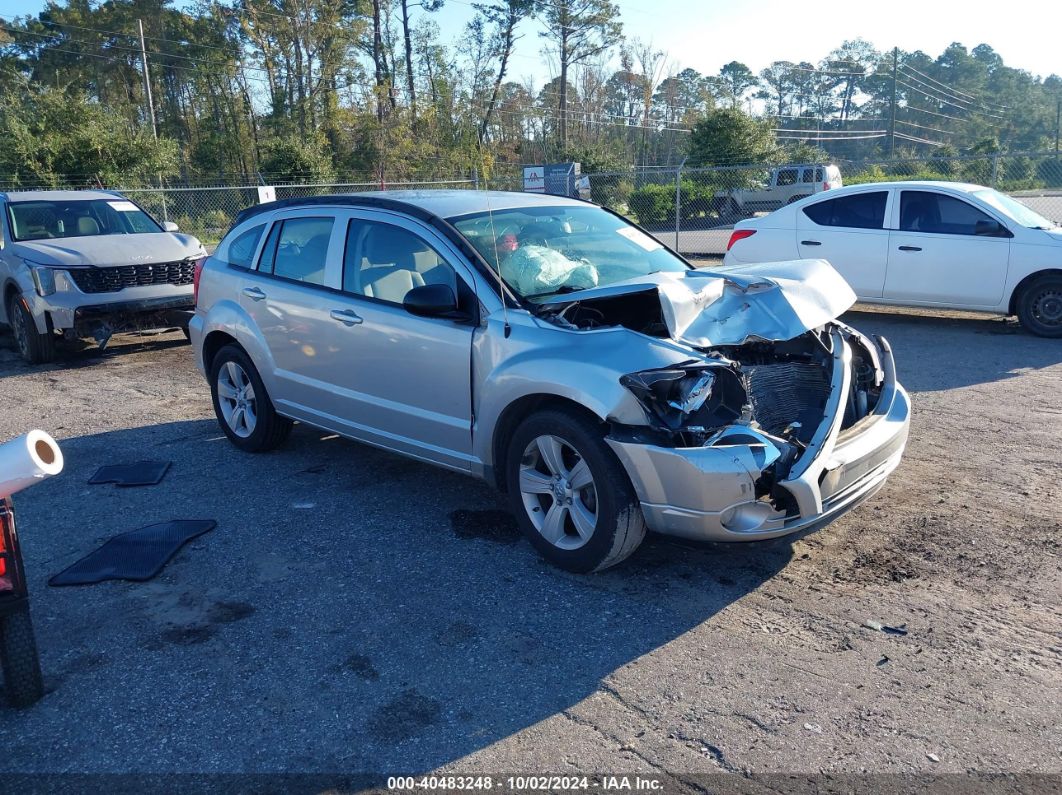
{"type": "Point", "coordinates": [964, 187]}
{"type": "Point", "coordinates": [438, 203]}
{"type": "Point", "coordinates": [56, 195]}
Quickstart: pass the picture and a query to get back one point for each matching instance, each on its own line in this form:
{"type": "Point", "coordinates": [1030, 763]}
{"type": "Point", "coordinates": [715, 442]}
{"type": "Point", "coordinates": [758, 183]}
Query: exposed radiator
{"type": "Point", "coordinates": [788, 392]}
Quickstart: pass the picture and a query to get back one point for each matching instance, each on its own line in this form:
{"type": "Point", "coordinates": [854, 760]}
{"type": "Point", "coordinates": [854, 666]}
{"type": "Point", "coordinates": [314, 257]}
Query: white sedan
{"type": "Point", "coordinates": [938, 244]}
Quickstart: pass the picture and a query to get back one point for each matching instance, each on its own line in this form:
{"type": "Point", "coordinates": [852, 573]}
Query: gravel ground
{"type": "Point", "coordinates": [356, 611]}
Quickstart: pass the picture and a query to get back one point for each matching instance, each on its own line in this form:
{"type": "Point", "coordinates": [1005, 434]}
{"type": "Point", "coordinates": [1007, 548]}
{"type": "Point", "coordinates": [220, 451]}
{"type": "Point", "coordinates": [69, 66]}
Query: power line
{"type": "Point", "coordinates": [955, 90]}
{"type": "Point", "coordinates": [940, 115]}
{"type": "Point", "coordinates": [813, 136]}
{"type": "Point", "coordinates": [943, 101]}
{"type": "Point", "coordinates": [916, 140]}
{"type": "Point", "coordinates": [924, 127]}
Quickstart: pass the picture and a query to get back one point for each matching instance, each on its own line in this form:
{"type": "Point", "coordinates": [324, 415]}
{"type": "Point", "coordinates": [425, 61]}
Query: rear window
{"type": "Point", "coordinates": [859, 211]}
{"type": "Point", "coordinates": [787, 176]}
{"type": "Point", "coordinates": [240, 250]}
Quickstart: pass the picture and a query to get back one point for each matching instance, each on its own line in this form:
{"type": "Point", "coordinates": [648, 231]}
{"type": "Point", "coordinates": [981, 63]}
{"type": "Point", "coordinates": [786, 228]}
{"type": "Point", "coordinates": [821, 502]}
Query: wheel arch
{"type": "Point", "coordinates": [515, 413]}
{"type": "Point", "coordinates": [1019, 288]}
{"type": "Point", "coordinates": [214, 342]}
{"type": "Point", "coordinates": [10, 288]}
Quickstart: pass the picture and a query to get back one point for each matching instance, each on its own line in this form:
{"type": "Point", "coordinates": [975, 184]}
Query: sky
{"type": "Point", "coordinates": [705, 34]}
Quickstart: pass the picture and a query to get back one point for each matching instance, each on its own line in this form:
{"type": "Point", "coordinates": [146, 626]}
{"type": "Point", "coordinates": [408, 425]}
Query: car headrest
{"type": "Point", "coordinates": [392, 247]}
{"type": "Point", "coordinates": [87, 226]}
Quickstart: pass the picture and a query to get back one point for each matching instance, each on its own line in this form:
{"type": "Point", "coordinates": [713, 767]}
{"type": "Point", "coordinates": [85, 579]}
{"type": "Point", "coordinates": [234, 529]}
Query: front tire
{"type": "Point", "coordinates": [35, 348]}
{"type": "Point", "coordinates": [1040, 306]}
{"type": "Point", "coordinates": [18, 655]}
{"type": "Point", "coordinates": [570, 494]}
{"type": "Point", "coordinates": [242, 405]}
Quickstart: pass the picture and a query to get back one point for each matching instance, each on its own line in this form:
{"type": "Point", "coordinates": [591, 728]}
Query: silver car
{"type": "Point", "coordinates": [87, 264]}
{"type": "Point", "coordinates": [555, 350]}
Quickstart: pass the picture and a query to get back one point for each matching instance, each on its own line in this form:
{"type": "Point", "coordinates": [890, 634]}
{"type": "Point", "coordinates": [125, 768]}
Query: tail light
{"type": "Point", "coordinates": [825, 185]}
{"type": "Point", "coordinates": [739, 234]}
{"type": "Point", "coordinates": [199, 263]}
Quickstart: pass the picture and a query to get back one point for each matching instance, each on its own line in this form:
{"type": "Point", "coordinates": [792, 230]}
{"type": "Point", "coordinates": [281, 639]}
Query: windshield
{"type": "Point", "coordinates": [1014, 208]}
{"type": "Point", "coordinates": [542, 251]}
{"type": "Point", "coordinates": [44, 220]}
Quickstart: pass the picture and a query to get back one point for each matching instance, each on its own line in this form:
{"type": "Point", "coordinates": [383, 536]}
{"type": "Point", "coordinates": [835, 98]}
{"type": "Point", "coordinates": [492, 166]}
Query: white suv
{"type": "Point", "coordinates": [89, 264]}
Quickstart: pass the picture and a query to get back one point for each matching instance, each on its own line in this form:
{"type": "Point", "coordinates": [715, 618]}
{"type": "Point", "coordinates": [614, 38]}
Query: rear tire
{"type": "Point", "coordinates": [560, 470]}
{"type": "Point", "coordinates": [18, 655]}
{"type": "Point", "coordinates": [1040, 306]}
{"type": "Point", "coordinates": [242, 405]}
{"type": "Point", "coordinates": [35, 348]}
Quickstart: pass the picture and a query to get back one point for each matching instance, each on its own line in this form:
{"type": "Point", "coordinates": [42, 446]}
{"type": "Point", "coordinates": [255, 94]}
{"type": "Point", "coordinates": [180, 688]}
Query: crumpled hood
{"type": "Point", "coordinates": [770, 301]}
{"type": "Point", "coordinates": [108, 250]}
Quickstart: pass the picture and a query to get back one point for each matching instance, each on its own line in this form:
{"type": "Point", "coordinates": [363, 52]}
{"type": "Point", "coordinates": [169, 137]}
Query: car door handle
{"type": "Point", "coordinates": [810, 243]}
{"type": "Point", "coordinates": [254, 293]}
{"type": "Point", "coordinates": [346, 317]}
{"type": "Point", "coordinates": [910, 248]}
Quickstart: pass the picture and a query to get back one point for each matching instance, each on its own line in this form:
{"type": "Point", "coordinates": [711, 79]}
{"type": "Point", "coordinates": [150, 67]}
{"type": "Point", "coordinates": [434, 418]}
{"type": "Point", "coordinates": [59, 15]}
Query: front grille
{"type": "Point", "coordinates": [113, 279]}
{"type": "Point", "coordinates": [785, 393]}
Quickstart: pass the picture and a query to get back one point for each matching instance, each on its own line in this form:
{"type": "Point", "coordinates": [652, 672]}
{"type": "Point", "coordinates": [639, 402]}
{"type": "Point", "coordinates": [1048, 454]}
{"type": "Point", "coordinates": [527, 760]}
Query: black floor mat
{"type": "Point", "coordinates": [136, 555]}
{"type": "Point", "coordinates": [142, 473]}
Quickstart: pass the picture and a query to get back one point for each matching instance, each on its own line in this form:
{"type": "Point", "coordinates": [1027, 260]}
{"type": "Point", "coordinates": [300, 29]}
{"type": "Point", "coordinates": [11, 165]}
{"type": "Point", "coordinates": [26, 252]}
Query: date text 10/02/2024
{"type": "Point", "coordinates": [617, 783]}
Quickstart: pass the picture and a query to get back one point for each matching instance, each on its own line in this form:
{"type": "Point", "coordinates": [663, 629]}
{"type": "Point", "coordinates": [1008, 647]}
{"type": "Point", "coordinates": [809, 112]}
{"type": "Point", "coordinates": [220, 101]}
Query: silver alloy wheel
{"type": "Point", "coordinates": [558, 492]}
{"type": "Point", "coordinates": [18, 328]}
{"type": "Point", "coordinates": [237, 400]}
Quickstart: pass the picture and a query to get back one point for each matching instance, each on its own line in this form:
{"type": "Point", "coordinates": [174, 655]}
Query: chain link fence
{"type": "Point", "coordinates": [208, 212]}
{"type": "Point", "coordinates": [694, 209]}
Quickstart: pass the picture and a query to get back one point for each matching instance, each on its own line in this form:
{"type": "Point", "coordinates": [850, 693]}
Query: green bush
{"type": "Point", "coordinates": [653, 203]}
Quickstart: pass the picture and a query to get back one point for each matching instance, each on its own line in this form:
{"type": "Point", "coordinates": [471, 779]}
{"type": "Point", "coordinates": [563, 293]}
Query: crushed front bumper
{"type": "Point", "coordinates": [709, 493]}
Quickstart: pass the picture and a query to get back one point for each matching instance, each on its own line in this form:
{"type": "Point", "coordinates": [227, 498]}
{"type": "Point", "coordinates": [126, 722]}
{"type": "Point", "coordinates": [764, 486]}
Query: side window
{"type": "Point", "coordinates": [859, 211]}
{"type": "Point", "coordinates": [269, 250]}
{"type": "Point", "coordinates": [241, 250]}
{"type": "Point", "coordinates": [385, 262]}
{"type": "Point", "coordinates": [809, 175]}
{"type": "Point", "coordinates": [925, 211]}
{"type": "Point", "coordinates": [297, 249]}
{"type": "Point", "coordinates": [787, 176]}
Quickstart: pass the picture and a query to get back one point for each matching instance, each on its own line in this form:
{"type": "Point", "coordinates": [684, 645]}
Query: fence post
{"type": "Point", "coordinates": [995, 169]}
{"type": "Point", "coordinates": [475, 178]}
{"type": "Point", "coordinates": [678, 202]}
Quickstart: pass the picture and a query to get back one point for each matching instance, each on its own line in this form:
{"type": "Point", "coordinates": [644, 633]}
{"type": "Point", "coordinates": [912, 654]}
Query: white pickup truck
{"type": "Point", "coordinates": [783, 185]}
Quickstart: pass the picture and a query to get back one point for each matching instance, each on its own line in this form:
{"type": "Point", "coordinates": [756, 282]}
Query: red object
{"type": "Point", "coordinates": [739, 234]}
{"type": "Point", "coordinates": [825, 185]}
{"type": "Point", "coordinates": [195, 278]}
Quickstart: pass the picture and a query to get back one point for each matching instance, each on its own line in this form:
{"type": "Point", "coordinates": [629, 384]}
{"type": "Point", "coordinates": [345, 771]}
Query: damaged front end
{"type": "Point", "coordinates": [781, 419]}
{"type": "Point", "coordinates": [752, 428]}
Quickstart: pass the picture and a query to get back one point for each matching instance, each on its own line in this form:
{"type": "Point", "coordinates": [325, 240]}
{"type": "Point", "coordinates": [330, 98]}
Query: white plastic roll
{"type": "Point", "coordinates": [28, 460]}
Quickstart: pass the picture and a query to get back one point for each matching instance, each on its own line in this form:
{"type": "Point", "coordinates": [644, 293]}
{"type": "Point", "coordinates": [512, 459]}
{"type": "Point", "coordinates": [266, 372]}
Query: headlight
{"type": "Point", "coordinates": [696, 398]}
{"type": "Point", "coordinates": [43, 277]}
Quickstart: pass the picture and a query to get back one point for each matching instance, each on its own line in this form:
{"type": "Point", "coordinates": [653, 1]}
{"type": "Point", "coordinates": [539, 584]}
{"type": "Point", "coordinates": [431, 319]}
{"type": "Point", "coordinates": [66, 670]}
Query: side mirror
{"type": "Point", "coordinates": [431, 300]}
{"type": "Point", "coordinates": [990, 229]}
{"type": "Point", "coordinates": [170, 226]}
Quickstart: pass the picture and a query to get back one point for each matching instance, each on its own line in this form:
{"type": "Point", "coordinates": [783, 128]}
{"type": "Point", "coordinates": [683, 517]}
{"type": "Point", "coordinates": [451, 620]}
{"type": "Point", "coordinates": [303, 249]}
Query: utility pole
{"type": "Point", "coordinates": [892, 117]}
{"type": "Point", "coordinates": [147, 80]}
{"type": "Point", "coordinates": [1058, 122]}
